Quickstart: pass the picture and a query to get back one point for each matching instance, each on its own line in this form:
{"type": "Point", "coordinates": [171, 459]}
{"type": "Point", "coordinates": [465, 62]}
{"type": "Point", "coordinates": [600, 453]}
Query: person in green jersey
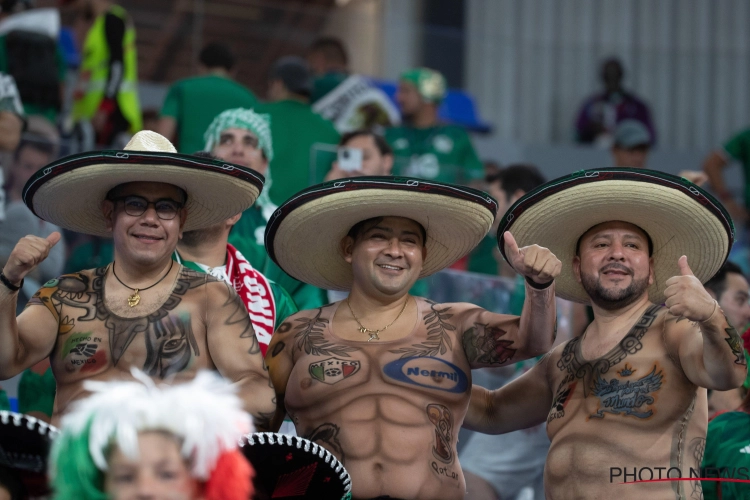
{"type": "Point", "coordinates": [243, 136]}
{"type": "Point", "coordinates": [193, 102]}
{"type": "Point", "coordinates": [304, 141]}
{"type": "Point", "coordinates": [423, 146]}
{"type": "Point", "coordinates": [727, 454]}
{"type": "Point", "coordinates": [208, 250]}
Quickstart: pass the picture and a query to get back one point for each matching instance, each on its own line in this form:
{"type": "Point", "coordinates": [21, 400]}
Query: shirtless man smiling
{"type": "Point", "coordinates": [142, 310]}
{"type": "Point", "coordinates": [625, 402]}
{"type": "Point", "coordinates": [382, 378]}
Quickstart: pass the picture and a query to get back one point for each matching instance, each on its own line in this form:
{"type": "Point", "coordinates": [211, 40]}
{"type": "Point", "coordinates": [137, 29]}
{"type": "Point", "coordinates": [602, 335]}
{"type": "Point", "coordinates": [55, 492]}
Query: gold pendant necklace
{"type": "Point", "coordinates": [135, 298]}
{"type": "Point", "coordinates": [374, 333]}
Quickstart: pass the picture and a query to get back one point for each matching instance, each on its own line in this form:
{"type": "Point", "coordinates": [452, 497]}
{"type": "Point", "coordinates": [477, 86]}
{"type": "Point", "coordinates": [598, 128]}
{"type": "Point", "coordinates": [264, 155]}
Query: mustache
{"type": "Point", "coordinates": [616, 267]}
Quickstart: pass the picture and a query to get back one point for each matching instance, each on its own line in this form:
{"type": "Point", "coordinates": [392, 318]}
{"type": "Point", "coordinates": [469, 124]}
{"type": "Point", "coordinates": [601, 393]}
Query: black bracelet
{"type": "Point", "coordinates": [538, 286]}
{"type": "Point", "coordinates": [8, 284]}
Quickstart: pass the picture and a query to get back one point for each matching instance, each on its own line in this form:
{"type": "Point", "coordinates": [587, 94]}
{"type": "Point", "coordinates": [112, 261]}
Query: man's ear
{"type": "Point", "coordinates": [233, 219]}
{"type": "Point", "coordinates": [108, 211]}
{"type": "Point", "coordinates": [347, 248]}
{"type": "Point", "coordinates": [517, 195]}
{"type": "Point", "coordinates": [577, 268]}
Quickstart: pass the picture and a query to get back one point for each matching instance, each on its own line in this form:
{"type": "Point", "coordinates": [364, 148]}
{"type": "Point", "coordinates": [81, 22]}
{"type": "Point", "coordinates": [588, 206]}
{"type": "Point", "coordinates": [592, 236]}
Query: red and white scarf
{"type": "Point", "coordinates": [253, 288]}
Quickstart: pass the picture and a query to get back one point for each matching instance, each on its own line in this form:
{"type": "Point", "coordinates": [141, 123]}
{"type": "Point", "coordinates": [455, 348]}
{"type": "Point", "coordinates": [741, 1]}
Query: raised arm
{"type": "Point", "coordinates": [26, 340]}
{"type": "Point", "coordinates": [491, 339]}
{"type": "Point", "coordinates": [235, 351]}
{"type": "Point", "coordinates": [524, 402]}
{"type": "Point", "coordinates": [280, 363]}
{"type": "Point", "coordinates": [709, 348]}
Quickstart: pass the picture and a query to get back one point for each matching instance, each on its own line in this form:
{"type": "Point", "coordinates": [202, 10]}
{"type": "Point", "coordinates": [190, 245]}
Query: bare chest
{"type": "Point", "coordinates": [428, 366]}
{"type": "Point", "coordinates": [636, 385]}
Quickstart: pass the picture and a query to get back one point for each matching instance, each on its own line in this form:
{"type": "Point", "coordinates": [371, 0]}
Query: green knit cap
{"type": "Point", "coordinates": [247, 119]}
{"type": "Point", "coordinates": [430, 83]}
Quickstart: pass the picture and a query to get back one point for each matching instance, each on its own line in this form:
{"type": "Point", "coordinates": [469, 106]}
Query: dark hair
{"type": "Point", "coordinates": [217, 55]}
{"type": "Point", "coordinates": [362, 226]}
{"type": "Point", "coordinates": [718, 283]}
{"type": "Point", "coordinates": [648, 238]}
{"type": "Point", "coordinates": [525, 177]}
{"type": "Point", "coordinates": [332, 48]}
{"type": "Point", "coordinates": [37, 142]}
{"type": "Point", "coordinates": [380, 142]}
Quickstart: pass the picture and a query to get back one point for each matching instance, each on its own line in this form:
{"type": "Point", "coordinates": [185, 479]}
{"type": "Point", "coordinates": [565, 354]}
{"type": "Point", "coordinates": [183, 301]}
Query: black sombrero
{"type": "Point", "coordinates": [25, 443]}
{"type": "Point", "coordinates": [679, 217]}
{"type": "Point", "coordinates": [295, 468]}
{"type": "Point", "coordinates": [303, 236]}
{"type": "Point", "coordinates": [69, 191]}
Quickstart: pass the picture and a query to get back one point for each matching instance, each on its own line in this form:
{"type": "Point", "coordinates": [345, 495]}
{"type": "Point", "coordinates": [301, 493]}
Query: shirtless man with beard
{"type": "Point", "coordinates": [382, 379]}
{"type": "Point", "coordinates": [626, 401]}
{"type": "Point", "coordinates": [142, 310]}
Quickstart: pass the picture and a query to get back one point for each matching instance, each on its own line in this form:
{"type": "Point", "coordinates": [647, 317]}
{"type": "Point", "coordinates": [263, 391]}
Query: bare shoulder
{"type": "Point", "coordinates": [676, 326]}
{"type": "Point", "coordinates": [304, 319]}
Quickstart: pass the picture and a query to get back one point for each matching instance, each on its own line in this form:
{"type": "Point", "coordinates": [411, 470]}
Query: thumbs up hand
{"type": "Point", "coordinates": [537, 263]}
{"type": "Point", "coordinates": [29, 252]}
{"type": "Point", "coordinates": [686, 297]}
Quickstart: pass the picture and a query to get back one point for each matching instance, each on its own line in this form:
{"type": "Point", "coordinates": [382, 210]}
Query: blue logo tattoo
{"type": "Point", "coordinates": [429, 372]}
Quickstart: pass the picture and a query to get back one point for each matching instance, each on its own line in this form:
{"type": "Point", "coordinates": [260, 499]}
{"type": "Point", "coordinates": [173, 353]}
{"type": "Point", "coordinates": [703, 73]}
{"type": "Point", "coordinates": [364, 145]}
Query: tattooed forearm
{"type": "Point", "coordinates": [483, 345]}
{"type": "Point", "coordinates": [735, 344]}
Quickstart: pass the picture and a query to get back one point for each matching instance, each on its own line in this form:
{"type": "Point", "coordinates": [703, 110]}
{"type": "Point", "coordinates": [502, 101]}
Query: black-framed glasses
{"type": "Point", "coordinates": [137, 206]}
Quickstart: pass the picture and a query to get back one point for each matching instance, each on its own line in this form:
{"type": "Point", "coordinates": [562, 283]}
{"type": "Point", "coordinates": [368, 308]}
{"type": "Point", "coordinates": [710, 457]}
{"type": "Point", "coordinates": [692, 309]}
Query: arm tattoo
{"type": "Point", "coordinates": [312, 341]}
{"type": "Point", "coordinates": [238, 316]}
{"type": "Point", "coordinates": [735, 343]}
{"type": "Point", "coordinates": [438, 335]}
{"type": "Point", "coordinates": [483, 345]}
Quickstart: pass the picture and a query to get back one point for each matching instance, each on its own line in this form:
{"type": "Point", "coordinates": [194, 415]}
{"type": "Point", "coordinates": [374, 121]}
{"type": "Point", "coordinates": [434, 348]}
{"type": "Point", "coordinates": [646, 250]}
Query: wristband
{"type": "Point", "coordinates": [8, 284]}
{"type": "Point", "coordinates": [716, 307]}
{"type": "Point", "coordinates": [538, 286]}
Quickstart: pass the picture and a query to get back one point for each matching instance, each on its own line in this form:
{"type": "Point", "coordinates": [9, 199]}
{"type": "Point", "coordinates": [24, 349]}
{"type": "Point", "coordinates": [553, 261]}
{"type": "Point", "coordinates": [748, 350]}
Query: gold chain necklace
{"type": "Point", "coordinates": [135, 297]}
{"type": "Point", "coordinates": [374, 333]}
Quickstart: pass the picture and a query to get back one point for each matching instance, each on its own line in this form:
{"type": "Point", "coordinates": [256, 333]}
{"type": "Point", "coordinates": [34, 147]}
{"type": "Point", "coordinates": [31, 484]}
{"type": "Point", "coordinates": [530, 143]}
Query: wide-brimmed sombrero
{"type": "Point", "coordinates": [69, 191]}
{"type": "Point", "coordinates": [679, 217]}
{"type": "Point", "coordinates": [303, 236]}
{"type": "Point", "coordinates": [24, 446]}
{"type": "Point", "coordinates": [295, 468]}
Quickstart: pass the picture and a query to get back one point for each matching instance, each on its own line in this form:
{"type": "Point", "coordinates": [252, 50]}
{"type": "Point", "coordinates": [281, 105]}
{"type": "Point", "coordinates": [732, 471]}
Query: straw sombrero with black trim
{"type": "Point", "coordinates": [69, 191]}
{"type": "Point", "coordinates": [679, 217]}
{"type": "Point", "coordinates": [303, 236]}
{"type": "Point", "coordinates": [25, 443]}
{"type": "Point", "coordinates": [295, 468]}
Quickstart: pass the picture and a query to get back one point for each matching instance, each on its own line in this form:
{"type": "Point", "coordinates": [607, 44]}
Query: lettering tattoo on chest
{"type": "Point", "coordinates": [327, 434]}
{"type": "Point", "coordinates": [169, 338]}
{"type": "Point", "coordinates": [438, 334]}
{"type": "Point", "coordinates": [311, 337]}
{"type": "Point", "coordinates": [628, 397]}
{"type": "Point", "coordinates": [483, 345]}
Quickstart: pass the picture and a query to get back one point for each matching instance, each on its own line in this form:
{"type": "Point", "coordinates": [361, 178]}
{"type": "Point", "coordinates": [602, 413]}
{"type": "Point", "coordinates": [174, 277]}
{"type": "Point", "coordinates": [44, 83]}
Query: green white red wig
{"type": "Point", "coordinates": [205, 415]}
